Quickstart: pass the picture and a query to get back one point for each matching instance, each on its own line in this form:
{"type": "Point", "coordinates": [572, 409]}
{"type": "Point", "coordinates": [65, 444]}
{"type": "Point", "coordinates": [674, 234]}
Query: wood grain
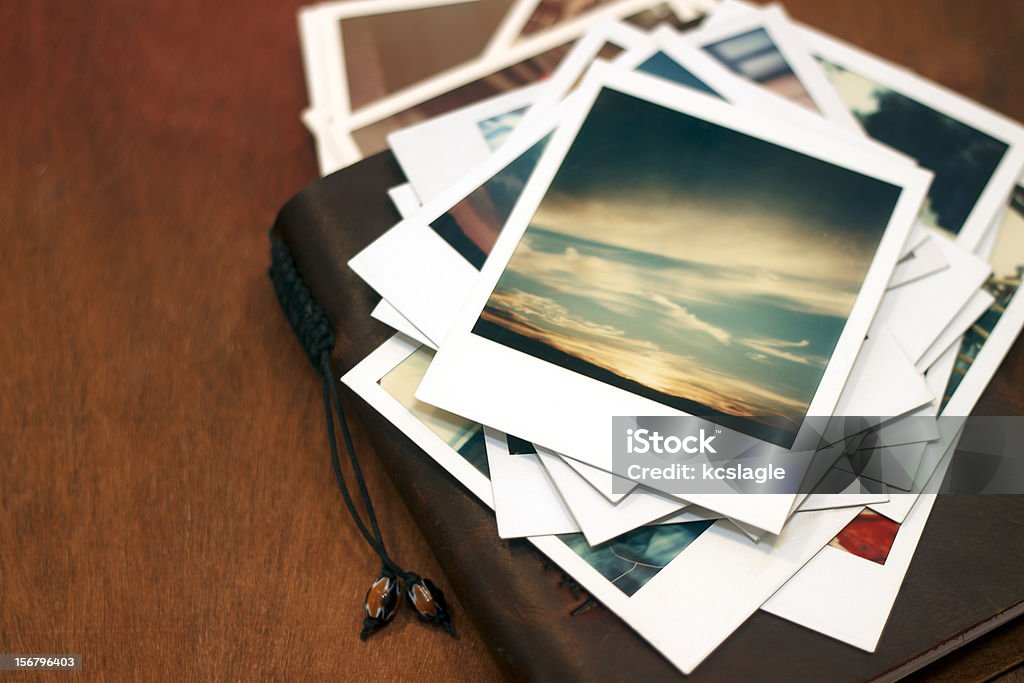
{"type": "Point", "coordinates": [167, 508]}
{"type": "Point", "coordinates": [166, 505]}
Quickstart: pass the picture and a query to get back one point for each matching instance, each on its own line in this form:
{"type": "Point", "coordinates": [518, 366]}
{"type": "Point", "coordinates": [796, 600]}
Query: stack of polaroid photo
{"type": "Point", "coordinates": [744, 220]}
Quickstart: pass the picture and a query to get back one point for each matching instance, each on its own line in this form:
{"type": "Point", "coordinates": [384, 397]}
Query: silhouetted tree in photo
{"type": "Point", "coordinates": [962, 158]}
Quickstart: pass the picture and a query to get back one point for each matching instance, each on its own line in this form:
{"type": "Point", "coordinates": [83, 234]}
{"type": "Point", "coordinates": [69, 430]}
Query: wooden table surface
{"type": "Point", "coordinates": [166, 505]}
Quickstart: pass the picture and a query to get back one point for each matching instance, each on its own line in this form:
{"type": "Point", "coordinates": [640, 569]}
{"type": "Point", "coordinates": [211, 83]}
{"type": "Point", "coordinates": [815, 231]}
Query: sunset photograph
{"type": "Point", "coordinates": [691, 264]}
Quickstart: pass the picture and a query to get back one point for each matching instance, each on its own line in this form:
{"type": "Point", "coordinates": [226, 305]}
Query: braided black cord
{"type": "Point", "coordinates": [306, 318]}
{"type": "Point", "coordinates": [314, 332]}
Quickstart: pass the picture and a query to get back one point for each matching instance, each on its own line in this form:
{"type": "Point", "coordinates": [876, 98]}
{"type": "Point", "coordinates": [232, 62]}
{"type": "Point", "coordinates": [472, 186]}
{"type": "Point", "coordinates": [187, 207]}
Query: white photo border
{"type": "Point", "coordinates": [452, 385]}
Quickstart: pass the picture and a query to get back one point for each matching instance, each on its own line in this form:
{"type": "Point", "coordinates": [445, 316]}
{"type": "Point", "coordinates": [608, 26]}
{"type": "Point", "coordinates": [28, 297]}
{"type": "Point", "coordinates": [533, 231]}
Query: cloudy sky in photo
{"type": "Point", "coordinates": [698, 261]}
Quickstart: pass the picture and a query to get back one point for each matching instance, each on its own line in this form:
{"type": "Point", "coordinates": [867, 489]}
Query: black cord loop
{"type": "Point", "coordinates": [314, 332]}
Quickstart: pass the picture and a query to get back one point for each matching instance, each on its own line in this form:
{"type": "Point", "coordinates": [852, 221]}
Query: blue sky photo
{"type": "Point", "coordinates": [686, 262]}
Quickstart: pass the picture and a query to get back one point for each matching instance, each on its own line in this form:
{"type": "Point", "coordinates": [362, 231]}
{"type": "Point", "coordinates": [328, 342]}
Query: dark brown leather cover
{"type": "Point", "coordinates": [965, 579]}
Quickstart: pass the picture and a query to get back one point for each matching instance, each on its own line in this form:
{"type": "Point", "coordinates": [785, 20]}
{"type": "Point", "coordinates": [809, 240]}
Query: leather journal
{"type": "Point", "coordinates": [965, 579]}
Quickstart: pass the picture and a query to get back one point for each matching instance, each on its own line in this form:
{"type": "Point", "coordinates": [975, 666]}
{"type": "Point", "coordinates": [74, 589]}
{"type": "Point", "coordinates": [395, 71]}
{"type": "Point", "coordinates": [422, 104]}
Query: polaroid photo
{"type": "Point", "coordinates": [365, 128]}
{"type": "Point", "coordinates": [976, 154]}
{"type": "Point", "coordinates": [642, 59]}
{"type": "Point", "coordinates": [847, 591]}
{"type": "Point", "coordinates": [387, 380]}
{"type": "Point", "coordinates": [764, 48]}
{"type": "Point", "coordinates": [436, 153]}
{"type": "Point", "coordinates": [320, 29]}
{"type": "Point", "coordinates": [526, 500]}
{"type": "Point", "coordinates": [582, 315]}
{"type": "Point", "coordinates": [683, 587]}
